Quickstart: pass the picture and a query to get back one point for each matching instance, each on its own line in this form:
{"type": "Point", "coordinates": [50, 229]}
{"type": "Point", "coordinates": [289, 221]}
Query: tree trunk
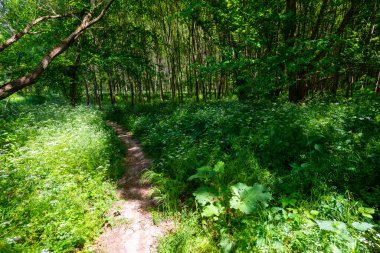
{"type": "Point", "coordinates": [73, 76]}
{"type": "Point", "coordinates": [377, 84]}
{"type": "Point", "coordinates": [110, 88]}
{"type": "Point", "coordinates": [132, 91]}
{"type": "Point", "coordinates": [95, 88]}
{"type": "Point", "coordinates": [11, 87]}
{"type": "Point", "coordinates": [321, 15]}
{"type": "Point", "coordinates": [87, 93]}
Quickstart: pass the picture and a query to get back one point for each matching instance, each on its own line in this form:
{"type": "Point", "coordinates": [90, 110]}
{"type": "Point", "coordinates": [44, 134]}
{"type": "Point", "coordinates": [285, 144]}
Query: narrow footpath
{"type": "Point", "coordinates": [133, 229]}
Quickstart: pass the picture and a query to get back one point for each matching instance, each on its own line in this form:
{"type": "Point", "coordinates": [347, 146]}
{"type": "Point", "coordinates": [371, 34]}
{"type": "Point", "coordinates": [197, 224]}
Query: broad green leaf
{"type": "Point", "coordinates": [314, 212]}
{"type": "Point", "coordinates": [246, 199]}
{"type": "Point", "coordinates": [219, 167]}
{"type": "Point", "coordinates": [204, 195]}
{"type": "Point", "coordinates": [334, 249]}
{"type": "Point", "coordinates": [367, 212]}
{"type": "Point", "coordinates": [332, 226]}
{"type": "Point", "coordinates": [212, 210]}
{"type": "Point", "coordinates": [325, 225]}
{"type": "Point", "coordinates": [288, 201]}
{"type": "Point", "coordinates": [318, 147]}
{"type": "Point", "coordinates": [278, 245]}
{"type": "Point", "coordinates": [238, 188]}
{"type": "Point", "coordinates": [362, 226]}
{"type": "Point", "coordinates": [226, 244]}
{"type": "Point", "coordinates": [203, 173]}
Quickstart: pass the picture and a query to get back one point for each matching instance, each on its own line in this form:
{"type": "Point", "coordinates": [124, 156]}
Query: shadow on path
{"type": "Point", "coordinates": [135, 230]}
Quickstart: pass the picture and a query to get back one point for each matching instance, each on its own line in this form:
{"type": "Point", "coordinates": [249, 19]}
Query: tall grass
{"type": "Point", "coordinates": [58, 166]}
{"type": "Point", "coordinates": [319, 161]}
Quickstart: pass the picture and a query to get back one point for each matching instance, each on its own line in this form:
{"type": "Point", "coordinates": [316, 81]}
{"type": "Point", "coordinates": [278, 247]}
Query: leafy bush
{"type": "Point", "coordinates": [312, 158]}
{"type": "Point", "coordinates": [56, 177]}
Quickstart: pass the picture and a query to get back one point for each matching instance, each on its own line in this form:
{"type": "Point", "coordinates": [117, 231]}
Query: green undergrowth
{"type": "Point", "coordinates": [189, 237]}
{"type": "Point", "coordinates": [263, 176]}
{"type": "Point", "coordinates": [57, 175]}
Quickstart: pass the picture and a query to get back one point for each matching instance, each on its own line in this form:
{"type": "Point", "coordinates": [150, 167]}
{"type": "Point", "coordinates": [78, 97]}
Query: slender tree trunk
{"type": "Point", "coordinates": [220, 85]}
{"type": "Point", "coordinates": [95, 88]}
{"type": "Point", "coordinates": [321, 15]}
{"type": "Point", "coordinates": [73, 76]}
{"type": "Point", "coordinates": [87, 93]}
{"type": "Point", "coordinates": [140, 90]}
{"type": "Point", "coordinates": [132, 91]}
{"type": "Point", "coordinates": [377, 84]}
{"type": "Point", "coordinates": [110, 88]}
{"type": "Point", "coordinates": [348, 17]}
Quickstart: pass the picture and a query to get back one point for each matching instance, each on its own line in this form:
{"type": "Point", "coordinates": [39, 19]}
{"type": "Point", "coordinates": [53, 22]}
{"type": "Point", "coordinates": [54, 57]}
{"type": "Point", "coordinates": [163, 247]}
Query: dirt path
{"type": "Point", "coordinates": [134, 230]}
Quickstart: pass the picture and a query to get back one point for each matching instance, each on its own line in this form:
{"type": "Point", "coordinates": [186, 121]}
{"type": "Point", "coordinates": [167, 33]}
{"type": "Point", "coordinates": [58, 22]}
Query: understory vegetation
{"type": "Point", "coordinates": [262, 176]}
{"type": "Point", "coordinates": [261, 117]}
{"type": "Point", "coordinates": [57, 166]}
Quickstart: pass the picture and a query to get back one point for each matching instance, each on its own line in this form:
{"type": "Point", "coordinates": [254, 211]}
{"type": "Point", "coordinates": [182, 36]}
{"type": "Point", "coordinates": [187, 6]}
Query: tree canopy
{"type": "Point", "coordinates": [199, 49]}
{"type": "Point", "coordinates": [260, 118]}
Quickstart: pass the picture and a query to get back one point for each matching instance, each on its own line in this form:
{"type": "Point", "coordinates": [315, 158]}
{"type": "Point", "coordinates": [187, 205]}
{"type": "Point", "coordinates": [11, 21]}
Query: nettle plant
{"type": "Point", "coordinates": [225, 203]}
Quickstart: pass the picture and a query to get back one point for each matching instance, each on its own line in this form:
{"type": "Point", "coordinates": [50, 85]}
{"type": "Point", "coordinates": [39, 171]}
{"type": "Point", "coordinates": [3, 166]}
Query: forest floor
{"type": "Point", "coordinates": [130, 226]}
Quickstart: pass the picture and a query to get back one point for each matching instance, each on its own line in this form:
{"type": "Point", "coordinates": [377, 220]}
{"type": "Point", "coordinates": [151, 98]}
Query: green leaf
{"type": "Point", "coordinates": [212, 210]}
{"type": "Point", "coordinates": [335, 249]}
{"type": "Point", "coordinates": [332, 226]}
{"type": "Point", "coordinates": [278, 245]}
{"type": "Point", "coordinates": [366, 212]}
{"type": "Point", "coordinates": [362, 226]}
{"type": "Point", "coordinates": [318, 147]}
{"type": "Point", "coordinates": [325, 225]}
{"type": "Point", "coordinates": [219, 167]}
{"type": "Point", "coordinates": [205, 172]}
{"type": "Point", "coordinates": [288, 202]}
{"type": "Point", "coordinates": [314, 212]}
{"type": "Point", "coordinates": [246, 199]}
{"type": "Point", "coordinates": [226, 244]}
{"type": "Point", "coordinates": [205, 195]}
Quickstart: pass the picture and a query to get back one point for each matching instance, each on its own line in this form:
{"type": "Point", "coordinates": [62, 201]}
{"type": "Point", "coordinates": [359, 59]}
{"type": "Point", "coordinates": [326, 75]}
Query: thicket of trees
{"type": "Point", "coordinates": [145, 50]}
{"type": "Point", "coordinates": [260, 175]}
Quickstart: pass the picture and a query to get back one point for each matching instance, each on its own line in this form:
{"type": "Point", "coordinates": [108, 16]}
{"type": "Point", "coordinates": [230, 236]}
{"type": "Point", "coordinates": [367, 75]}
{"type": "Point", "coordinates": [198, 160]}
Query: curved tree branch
{"type": "Point", "coordinates": [19, 35]}
{"type": "Point", "coordinates": [11, 87]}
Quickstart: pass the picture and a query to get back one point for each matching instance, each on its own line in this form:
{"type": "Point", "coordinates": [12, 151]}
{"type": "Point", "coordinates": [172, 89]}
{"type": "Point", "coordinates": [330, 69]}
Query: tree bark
{"type": "Point", "coordinates": [377, 84]}
{"type": "Point", "coordinates": [347, 18]}
{"type": "Point", "coordinates": [290, 22]}
{"type": "Point", "coordinates": [111, 89]}
{"type": "Point", "coordinates": [87, 93]}
{"type": "Point", "coordinates": [73, 76]}
{"type": "Point", "coordinates": [11, 87]}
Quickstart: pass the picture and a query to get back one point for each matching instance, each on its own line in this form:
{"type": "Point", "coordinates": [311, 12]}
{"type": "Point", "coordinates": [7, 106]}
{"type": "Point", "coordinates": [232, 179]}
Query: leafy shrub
{"type": "Point", "coordinates": [56, 179]}
{"type": "Point", "coordinates": [302, 154]}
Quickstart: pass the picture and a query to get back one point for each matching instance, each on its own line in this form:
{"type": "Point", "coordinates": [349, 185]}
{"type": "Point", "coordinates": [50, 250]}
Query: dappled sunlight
{"type": "Point", "coordinates": [58, 167]}
{"type": "Point", "coordinates": [314, 159]}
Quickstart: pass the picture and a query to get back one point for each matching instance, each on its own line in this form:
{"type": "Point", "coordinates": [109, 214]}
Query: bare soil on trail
{"type": "Point", "coordinates": [133, 229]}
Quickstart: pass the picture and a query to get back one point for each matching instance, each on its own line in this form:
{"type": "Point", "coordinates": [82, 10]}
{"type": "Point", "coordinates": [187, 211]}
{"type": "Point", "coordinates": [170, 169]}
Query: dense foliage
{"type": "Point", "coordinates": [283, 155]}
{"type": "Point", "coordinates": [153, 49]}
{"type": "Point", "coordinates": [319, 163]}
{"type": "Point", "coordinates": [56, 179]}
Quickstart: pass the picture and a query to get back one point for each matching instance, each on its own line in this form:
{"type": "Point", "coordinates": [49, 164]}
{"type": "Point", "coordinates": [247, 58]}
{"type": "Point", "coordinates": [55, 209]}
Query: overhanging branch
{"type": "Point", "coordinates": [27, 29]}
{"type": "Point", "coordinates": [11, 87]}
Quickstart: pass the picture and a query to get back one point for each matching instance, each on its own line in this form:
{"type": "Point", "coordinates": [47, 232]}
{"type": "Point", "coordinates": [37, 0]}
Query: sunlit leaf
{"type": "Point", "coordinates": [212, 210]}
{"type": "Point", "coordinates": [362, 226]}
{"type": "Point", "coordinates": [203, 173]}
{"type": "Point", "coordinates": [332, 226]}
{"type": "Point", "coordinates": [205, 195]}
{"type": "Point", "coordinates": [247, 199]}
